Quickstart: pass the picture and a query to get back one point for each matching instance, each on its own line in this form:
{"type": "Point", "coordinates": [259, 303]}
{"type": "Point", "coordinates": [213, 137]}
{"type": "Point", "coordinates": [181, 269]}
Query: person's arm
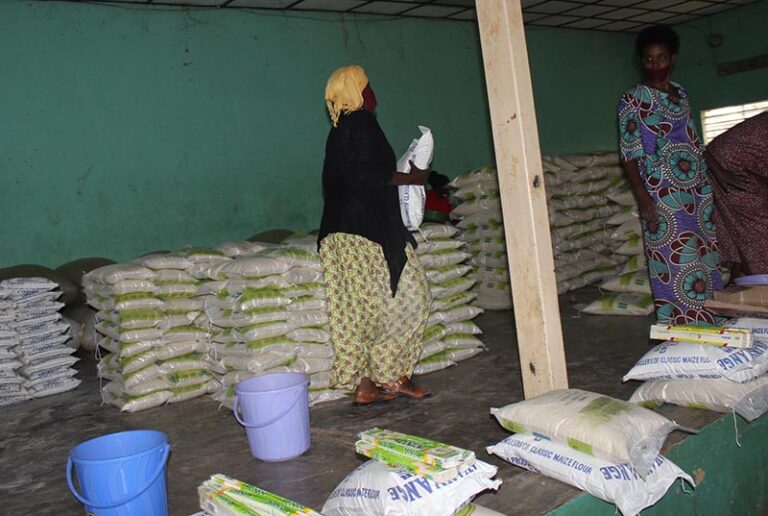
{"type": "Point", "coordinates": [417, 176]}
{"type": "Point", "coordinates": [644, 200]}
{"type": "Point", "coordinates": [371, 157]}
{"type": "Point", "coordinates": [632, 153]}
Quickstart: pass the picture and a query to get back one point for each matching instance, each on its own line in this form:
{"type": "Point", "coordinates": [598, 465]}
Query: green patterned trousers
{"type": "Point", "coordinates": [374, 335]}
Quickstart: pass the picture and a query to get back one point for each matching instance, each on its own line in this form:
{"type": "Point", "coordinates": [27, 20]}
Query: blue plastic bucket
{"type": "Point", "coordinates": [121, 474]}
{"type": "Point", "coordinates": [275, 414]}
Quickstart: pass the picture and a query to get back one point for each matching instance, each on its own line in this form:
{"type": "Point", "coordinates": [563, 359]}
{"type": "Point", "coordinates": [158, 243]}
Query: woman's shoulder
{"type": "Point", "coordinates": [681, 90]}
{"type": "Point", "coordinates": [636, 90]}
{"type": "Point", "coordinates": [633, 95]}
{"type": "Point", "coordinates": [359, 117]}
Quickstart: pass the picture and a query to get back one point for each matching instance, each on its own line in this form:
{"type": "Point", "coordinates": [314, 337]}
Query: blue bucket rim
{"type": "Point", "coordinates": [77, 460]}
{"type": "Point", "coordinates": [305, 381]}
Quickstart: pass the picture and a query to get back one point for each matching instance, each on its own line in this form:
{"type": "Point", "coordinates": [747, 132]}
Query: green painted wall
{"type": "Point", "coordinates": [744, 35]}
{"type": "Point", "coordinates": [732, 480]}
{"type": "Point", "coordinates": [128, 130]}
{"type": "Point", "coordinates": [578, 77]}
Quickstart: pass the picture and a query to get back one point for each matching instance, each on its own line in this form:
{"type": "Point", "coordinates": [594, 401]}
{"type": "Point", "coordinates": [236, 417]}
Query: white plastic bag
{"type": "Point", "coordinates": [375, 488]}
{"type": "Point", "coordinates": [413, 198]}
{"type": "Point", "coordinates": [614, 483]}
{"type": "Point", "coordinates": [749, 399]}
{"type": "Point", "coordinates": [595, 424]}
{"type": "Point", "coordinates": [686, 360]}
{"type": "Point", "coordinates": [759, 327]}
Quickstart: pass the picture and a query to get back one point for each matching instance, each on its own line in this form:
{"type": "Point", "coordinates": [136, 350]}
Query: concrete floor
{"type": "Point", "coordinates": [35, 437]}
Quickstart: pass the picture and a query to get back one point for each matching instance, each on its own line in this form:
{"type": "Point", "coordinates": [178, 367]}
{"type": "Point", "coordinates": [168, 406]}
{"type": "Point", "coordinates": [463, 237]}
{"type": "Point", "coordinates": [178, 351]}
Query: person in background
{"type": "Point", "coordinates": [376, 290]}
{"type": "Point", "coordinates": [662, 156]}
{"type": "Point", "coordinates": [738, 165]}
{"type": "Point", "coordinates": [438, 206]}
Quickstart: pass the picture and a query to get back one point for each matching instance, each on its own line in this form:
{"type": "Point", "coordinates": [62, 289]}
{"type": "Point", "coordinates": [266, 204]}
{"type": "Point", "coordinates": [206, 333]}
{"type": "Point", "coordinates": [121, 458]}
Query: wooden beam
{"type": "Point", "coordinates": [523, 199]}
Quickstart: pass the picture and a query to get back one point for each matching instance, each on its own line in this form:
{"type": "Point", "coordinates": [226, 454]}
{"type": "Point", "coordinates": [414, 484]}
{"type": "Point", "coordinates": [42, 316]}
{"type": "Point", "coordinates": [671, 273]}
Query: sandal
{"type": "Point", "coordinates": [405, 387]}
{"type": "Point", "coordinates": [372, 397]}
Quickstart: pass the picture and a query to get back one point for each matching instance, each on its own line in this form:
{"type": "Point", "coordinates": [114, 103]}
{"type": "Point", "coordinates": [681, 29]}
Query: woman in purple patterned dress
{"type": "Point", "coordinates": [662, 156]}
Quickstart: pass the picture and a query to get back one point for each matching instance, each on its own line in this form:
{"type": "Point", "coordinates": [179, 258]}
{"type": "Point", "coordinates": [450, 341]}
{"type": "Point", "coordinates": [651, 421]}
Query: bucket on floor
{"type": "Point", "coordinates": [275, 414]}
{"type": "Point", "coordinates": [121, 474]}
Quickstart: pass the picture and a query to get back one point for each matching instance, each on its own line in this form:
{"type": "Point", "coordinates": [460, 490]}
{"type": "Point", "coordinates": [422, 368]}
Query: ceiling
{"type": "Point", "coordinates": [602, 15]}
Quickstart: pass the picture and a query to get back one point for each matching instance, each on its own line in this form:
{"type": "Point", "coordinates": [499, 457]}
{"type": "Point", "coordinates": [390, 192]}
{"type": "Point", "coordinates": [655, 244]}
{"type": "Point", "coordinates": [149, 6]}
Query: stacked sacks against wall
{"type": "Point", "coordinates": [450, 336]}
{"type": "Point", "coordinates": [578, 188]}
{"type": "Point", "coordinates": [482, 228]}
{"type": "Point", "coordinates": [35, 360]}
{"type": "Point", "coordinates": [266, 312]}
{"type": "Point", "coordinates": [629, 291]}
{"type": "Point", "coordinates": [156, 352]}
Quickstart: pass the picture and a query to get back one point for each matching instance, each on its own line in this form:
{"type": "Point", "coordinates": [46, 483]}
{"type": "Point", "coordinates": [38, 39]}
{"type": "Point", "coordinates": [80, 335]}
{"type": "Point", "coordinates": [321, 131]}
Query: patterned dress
{"type": "Point", "coordinates": [374, 335]}
{"type": "Point", "coordinates": [683, 257]}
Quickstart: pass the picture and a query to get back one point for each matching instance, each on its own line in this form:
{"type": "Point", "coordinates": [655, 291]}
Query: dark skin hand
{"type": "Point", "coordinates": [644, 200]}
{"type": "Point", "coordinates": [416, 177]}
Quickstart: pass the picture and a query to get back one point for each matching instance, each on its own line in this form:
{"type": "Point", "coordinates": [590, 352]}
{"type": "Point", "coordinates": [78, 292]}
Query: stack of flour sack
{"type": "Point", "coordinates": [716, 368]}
{"type": "Point", "coordinates": [411, 476]}
{"type": "Point", "coordinates": [602, 445]}
{"type": "Point", "coordinates": [578, 190]}
{"type": "Point", "coordinates": [450, 336]}
{"type": "Point", "coordinates": [629, 291]}
{"type": "Point", "coordinates": [153, 346]}
{"type": "Point", "coordinates": [265, 311]}
{"type": "Point", "coordinates": [35, 360]}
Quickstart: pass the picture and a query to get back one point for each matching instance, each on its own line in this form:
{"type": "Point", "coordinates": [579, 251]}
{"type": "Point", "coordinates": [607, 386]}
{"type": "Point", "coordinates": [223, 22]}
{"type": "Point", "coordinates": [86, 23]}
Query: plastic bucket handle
{"type": "Point", "coordinates": [270, 421]}
{"type": "Point", "coordinates": [84, 501]}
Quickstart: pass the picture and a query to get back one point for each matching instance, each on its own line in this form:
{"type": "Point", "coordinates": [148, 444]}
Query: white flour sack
{"type": "Point", "coordinates": [685, 360]}
{"type": "Point", "coordinates": [759, 327]}
{"type": "Point", "coordinates": [598, 425]}
{"type": "Point", "coordinates": [615, 483]}
{"type": "Point", "coordinates": [749, 400]}
{"type": "Point", "coordinates": [413, 198]}
{"type": "Point", "coordinates": [375, 488]}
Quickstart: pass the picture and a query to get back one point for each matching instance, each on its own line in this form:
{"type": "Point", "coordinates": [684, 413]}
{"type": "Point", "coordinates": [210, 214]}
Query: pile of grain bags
{"type": "Point", "coordinates": [482, 228]}
{"type": "Point", "coordinates": [35, 360]}
{"type": "Point", "coordinates": [450, 336]}
{"type": "Point", "coordinates": [629, 291]}
{"type": "Point", "coordinates": [730, 378]}
{"type": "Point", "coordinates": [578, 189]}
{"type": "Point", "coordinates": [149, 322]}
{"type": "Point", "coordinates": [266, 313]}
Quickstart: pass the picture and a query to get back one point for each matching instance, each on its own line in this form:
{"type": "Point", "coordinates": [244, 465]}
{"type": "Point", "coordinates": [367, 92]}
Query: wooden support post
{"type": "Point", "coordinates": [523, 199]}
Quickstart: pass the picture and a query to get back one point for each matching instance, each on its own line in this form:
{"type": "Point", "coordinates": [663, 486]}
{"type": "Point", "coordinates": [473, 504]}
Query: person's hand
{"type": "Point", "coordinates": [647, 209]}
{"type": "Point", "coordinates": [418, 176]}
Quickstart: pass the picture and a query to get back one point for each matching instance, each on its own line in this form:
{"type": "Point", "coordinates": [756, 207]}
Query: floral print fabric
{"type": "Point", "coordinates": [374, 335]}
{"type": "Point", "coordinates": [683, 258]}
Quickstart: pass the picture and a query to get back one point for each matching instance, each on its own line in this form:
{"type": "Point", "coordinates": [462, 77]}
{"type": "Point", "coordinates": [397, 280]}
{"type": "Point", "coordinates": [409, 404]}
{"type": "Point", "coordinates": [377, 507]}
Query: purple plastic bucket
{"type": "Point", "coordinates": [275, 414]}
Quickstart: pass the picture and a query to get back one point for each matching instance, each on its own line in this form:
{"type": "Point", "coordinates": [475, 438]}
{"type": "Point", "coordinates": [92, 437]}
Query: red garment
{"type": "Point", "coordinates": [438, 202]}
{"type": "Point", "coordinates": [741, 215]}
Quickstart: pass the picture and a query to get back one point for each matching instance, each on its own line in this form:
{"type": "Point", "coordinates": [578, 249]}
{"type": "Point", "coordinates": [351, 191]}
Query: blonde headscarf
{"type": "Point", "coordinates": [344, 91]}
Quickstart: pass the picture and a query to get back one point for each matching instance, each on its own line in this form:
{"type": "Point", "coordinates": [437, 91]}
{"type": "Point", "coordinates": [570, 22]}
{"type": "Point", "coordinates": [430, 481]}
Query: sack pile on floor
{"type": "Point", "coordinates": [154, 349]}
{"type": "Point", "coordinates": [578, 189]}
{"type": "Point", "coordinates": [35, 360]}
{"type": "Point", "coordinates": [266, 313]}
{"type": "Point", "coordinates": [629, 291]}
{"type": "Point", "coordinates": [719, 378]}
{"type": "Point", "coordinates": [607, 447]}
{"type": "Point", "coordinates": [401, 479]}
{"type": "Point", "coordinates": [450, 336]}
